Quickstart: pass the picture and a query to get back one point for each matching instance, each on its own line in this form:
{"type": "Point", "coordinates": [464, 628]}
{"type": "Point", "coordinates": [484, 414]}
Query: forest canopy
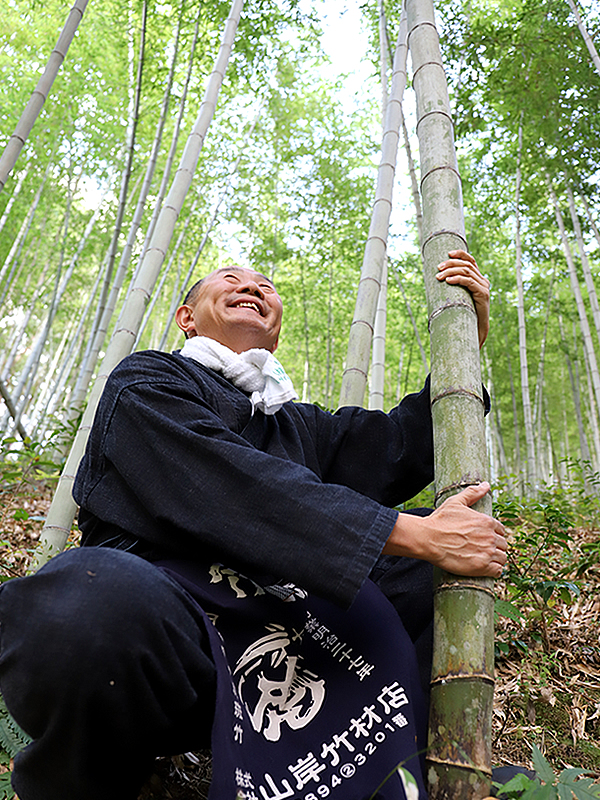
{"type": "Point", "coordinates": [284, 184]}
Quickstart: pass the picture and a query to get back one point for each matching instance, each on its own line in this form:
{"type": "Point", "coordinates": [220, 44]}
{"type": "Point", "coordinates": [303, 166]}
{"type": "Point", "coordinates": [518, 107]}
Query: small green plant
{"type": "Point", "coordinates": [568, 784]}
{"type": "Point", "coordinates": [543, 567]}
{"type": "Point", "coordinates": [12, 740]}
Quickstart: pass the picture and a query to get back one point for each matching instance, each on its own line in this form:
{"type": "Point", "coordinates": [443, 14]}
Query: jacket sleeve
{"type": "Point", "coordinates": [388, 457]}
{"type": "Point", "coordinates": [165, 467]}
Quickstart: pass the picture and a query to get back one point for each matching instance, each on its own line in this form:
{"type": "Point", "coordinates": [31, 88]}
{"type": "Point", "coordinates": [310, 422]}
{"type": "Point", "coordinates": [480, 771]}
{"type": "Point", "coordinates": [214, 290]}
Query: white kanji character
{"type": "Point", "coordinates": [238, 733]}
{"type": "Point", "coordinates": [345, 654]}
{"type": "Point", "coordinates": [358, 727]}
{"type": "Point", "coordinates": [248, 781]}
{"type": "Point", "coordinates": [365, 671]}
{"type": "Point", "coordinates": [400, 720]}
{"type": "Point", "coordinates": [358, 662]}
{"type": "Point", "coordinates": [312, 624]}
{"type": "Point", "coordinates": [330, 641]}
{"type": "Point", "coordinates": [307, 769]}
{"type": "Point", "coordinates": [337, 647]}
{"type": "Point", "coordinates": [320, 632]}
{"type": "Point", "coordinates": [237, 710]}
{"type": "Point", "coordinates": [332, 747]}
{"type": "Point", "coordinates": [278, 794]}
{"type": "Point", "coordinates": [370, 716]}
{"type": "Point", "coordinates": [239, 777]}
{"type": "Point", "coordinates": [396, 697]}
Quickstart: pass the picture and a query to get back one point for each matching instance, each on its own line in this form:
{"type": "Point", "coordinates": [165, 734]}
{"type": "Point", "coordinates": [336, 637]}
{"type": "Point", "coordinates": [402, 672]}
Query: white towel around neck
{"type": "Point", "coordinates": [255, 371]}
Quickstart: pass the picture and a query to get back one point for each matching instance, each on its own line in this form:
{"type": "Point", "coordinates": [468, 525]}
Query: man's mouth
{"type": "Point", "coordinates": [249, 304]}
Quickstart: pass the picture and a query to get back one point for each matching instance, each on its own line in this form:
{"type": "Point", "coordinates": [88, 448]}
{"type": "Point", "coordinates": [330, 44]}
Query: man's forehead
{"type": "Point", "coordinates": [236, 268]}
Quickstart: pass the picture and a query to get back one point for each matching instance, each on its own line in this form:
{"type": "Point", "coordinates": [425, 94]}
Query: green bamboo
{"type": "Point", "coordinates": [354, 379]}
{"type": "Point", "coordinates": [62, 511]}
{"type": "Point", "coordinates": [462, 686]}
{"type": "Point", "coordinates": [40, 93]}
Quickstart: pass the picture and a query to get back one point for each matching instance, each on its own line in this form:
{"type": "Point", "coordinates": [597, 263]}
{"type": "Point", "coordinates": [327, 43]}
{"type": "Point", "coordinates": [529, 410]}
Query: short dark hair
{"type": "Point", "coordinates": [193, 293]}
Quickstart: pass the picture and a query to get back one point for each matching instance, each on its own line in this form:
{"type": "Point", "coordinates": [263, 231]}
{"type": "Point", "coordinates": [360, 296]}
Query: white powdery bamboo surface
{"type": "Point", "coordinates": [62, 511]}
{"type": "Point", "coordinates": [40, 93]}
{"type": "Point", "coordinates": [586, 36]}
{"type": "Point", "coordinates": [354, 379]}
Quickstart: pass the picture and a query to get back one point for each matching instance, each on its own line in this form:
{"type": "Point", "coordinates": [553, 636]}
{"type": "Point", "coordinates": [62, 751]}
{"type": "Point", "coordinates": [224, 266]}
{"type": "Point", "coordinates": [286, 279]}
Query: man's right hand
{"type": "Point", "coordinates": [454, 537]}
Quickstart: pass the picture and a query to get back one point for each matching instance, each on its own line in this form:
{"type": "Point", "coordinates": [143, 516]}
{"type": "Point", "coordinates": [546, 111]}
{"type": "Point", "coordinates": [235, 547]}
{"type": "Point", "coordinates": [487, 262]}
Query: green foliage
{"type": "Point", "coordinates": [567, 785]}
{"type": "Point", "coordinates": [12, 740]}
{"type": "Point", "coordinates": [12, 737]}
{"type": "Point", "coordinates": [543, 567]}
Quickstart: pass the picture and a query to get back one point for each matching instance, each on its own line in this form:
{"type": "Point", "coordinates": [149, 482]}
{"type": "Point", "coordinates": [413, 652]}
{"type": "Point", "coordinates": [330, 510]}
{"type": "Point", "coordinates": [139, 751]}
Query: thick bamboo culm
{"type": "Point", "coordinates": [459, 754]}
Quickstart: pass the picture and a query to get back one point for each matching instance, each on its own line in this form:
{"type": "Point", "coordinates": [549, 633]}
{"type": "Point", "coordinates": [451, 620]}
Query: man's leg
{"type": "Point", "coordinates": [105, 662]}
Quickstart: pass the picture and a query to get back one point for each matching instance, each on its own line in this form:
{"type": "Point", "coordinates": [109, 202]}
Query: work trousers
{"type": "Point", "coordinates": [106, 663]}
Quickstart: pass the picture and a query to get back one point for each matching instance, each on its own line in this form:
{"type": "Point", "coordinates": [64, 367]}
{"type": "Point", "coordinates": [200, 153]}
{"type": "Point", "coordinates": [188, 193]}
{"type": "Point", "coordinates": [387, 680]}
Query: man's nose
{"type": "Point", "coordinates": [251, 287]}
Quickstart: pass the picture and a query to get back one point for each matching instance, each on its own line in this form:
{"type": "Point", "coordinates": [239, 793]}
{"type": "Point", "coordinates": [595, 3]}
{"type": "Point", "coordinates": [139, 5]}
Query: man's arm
{"type": "Point", "coordinates": [454, 537]}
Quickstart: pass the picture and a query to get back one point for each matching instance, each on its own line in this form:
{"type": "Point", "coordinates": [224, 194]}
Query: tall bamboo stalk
{"type": "Point", "coordinates": [588, 344]}
{"type": "Point", "coordinates": [61, 513]}
{"type": "Point", "coordinates": [586, 36]}
{"type": "Point", "coordinates": [585, 264]}
{"type": "Point", "coordinates": [354, 379]}
{"type": "Point", "coordinates": [525, 397]}
{"type": "Point", "coordinates": [377, 383]}
{"type": "Point", "coordinates": [583, 442]}
{"type": "Point", "coordinates": [462, 684]}
{"type": "Point", "coordinates": [17, 190]}
{"type": "Point", "coordinates": [40, 93]}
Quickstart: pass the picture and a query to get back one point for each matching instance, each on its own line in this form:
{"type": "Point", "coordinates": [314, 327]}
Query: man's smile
{"type": "Point", "coordinates": [249, 304]}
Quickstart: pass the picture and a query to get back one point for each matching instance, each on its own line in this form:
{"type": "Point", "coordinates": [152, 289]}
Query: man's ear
{"type": "Point", "coordinates": [184, 317]}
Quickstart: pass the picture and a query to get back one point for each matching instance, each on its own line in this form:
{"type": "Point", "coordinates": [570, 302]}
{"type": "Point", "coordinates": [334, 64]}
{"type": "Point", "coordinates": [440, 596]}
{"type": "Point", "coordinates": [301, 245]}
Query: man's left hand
{"type": "Point", "coordinates": [461, 269]}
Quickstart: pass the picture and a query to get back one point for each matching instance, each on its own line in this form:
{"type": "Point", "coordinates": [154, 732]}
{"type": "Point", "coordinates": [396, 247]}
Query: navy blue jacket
{"type": "Point", "coordinates": [176, 464]}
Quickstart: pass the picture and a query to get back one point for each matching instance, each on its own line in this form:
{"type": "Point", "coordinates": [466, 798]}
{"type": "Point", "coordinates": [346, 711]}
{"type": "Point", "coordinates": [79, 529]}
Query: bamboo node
{"type": "Point", "coordinates": [450, 304]}
{"type": "Point", "coordinates": [458, 585]}
{"type": "Point", "coordinates": [485, 771]}
{"type": "Point", "coordinates": [454, 488]}
{"type": "Point", "coordinates": [458, 391]}
{"type": "Point", "coordinates": [438, 112]}
{"type": "Point", "coordinates": [459, 676]}
{"type": "Point", "coordinates": [445, 232]}
{"type": "Point", "coordinates": [441, 168]}
{"type": "Point", "coordinates": [428, 64]}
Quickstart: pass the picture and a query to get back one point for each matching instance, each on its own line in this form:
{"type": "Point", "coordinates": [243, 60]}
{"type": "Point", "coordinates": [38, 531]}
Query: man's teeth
{"type": "Point", "coordinates": [249, 305]}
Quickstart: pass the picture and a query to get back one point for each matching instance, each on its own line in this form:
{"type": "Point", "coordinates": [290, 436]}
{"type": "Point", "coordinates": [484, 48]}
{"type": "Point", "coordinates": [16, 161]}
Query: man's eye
{"type": "Point", "coordinates": [266, 287]}
{"type": "Point", "coordinates": [231, 277]}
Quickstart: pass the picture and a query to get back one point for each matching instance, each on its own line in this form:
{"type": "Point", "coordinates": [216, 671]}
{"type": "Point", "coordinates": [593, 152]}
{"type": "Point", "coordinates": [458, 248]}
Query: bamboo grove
{"type": "Point", "coordinates": [284, 183]}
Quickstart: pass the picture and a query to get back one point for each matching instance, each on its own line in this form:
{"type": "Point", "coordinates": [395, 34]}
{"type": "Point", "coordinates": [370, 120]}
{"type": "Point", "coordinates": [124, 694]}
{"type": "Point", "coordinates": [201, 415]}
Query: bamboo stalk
{"type": "Point", "coordinates": [354, 379]}
{"type": "Point", "coordinates": [525, 396]}
{"type": "Point", "coordinates": [40, 93]}
{"type": "Point", "coordinates": [462, 687]}
{"type": "Point", "coordinates": [586, 36]}
{"type": "Point", "coordinates": [62, 511]}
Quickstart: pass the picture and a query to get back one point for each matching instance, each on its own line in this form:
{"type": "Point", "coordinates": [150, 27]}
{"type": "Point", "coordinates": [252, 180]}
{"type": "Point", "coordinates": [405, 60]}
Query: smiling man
{"type": "Point", "coordinates": [245, 581]}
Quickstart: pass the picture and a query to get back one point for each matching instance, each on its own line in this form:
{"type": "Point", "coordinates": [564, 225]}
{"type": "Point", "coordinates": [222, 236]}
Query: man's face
{"type": "Point", "coordinates": [235, 306]}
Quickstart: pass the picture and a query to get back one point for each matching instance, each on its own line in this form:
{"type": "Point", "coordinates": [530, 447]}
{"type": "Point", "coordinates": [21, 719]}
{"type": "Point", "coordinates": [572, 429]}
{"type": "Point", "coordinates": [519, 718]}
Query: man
{"type": "Point", "coordinates": [228, 536]}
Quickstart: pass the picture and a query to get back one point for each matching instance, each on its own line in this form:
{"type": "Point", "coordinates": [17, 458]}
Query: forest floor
{"type": "Point", "coordinates": [548, 647]}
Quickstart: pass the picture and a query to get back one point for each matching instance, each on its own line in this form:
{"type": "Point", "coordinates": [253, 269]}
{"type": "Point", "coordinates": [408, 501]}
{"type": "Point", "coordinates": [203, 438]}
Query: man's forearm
{"type": "Point", "coordinates": [454, 537]}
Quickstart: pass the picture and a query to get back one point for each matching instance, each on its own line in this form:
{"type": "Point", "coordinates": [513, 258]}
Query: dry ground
{"type": "Point", "coordinates": [547, 690]}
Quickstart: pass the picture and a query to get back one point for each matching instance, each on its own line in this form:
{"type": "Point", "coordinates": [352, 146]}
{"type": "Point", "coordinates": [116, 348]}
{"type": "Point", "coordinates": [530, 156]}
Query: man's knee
{"type": "Point", "coordinates": [97, 615]}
